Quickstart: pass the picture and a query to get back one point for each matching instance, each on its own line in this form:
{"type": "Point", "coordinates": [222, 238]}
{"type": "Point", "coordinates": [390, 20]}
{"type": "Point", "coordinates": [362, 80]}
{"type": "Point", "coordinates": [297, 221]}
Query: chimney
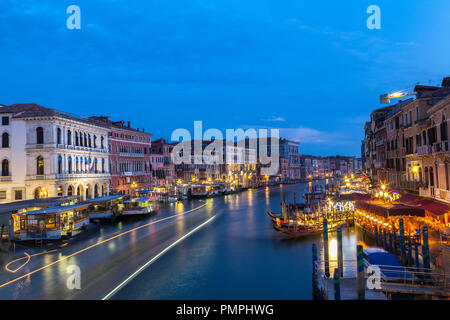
{"type": "Point", "coordinates": [128, 123]}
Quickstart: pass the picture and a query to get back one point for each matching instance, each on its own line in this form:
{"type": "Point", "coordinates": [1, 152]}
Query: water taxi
{"type": "Point", "coordinates": [200, 191]}
{"type": "Point", "coordinates": [139, 207]}
{"type": "Point", "coordinates": [224, 187]}
{"type": "Point", "coordinates": [50, 223]}
{"type": "Point", "coordinates": [105, 208]}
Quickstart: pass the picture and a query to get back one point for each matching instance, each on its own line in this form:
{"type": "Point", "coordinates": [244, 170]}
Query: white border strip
{"type": "Point", "coordinates": [132, 276]}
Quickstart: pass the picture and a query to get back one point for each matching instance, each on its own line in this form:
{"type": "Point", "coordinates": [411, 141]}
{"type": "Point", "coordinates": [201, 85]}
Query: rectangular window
{"type": "Point", "coordinates": [18, 195]}
{"type": "Point", "coordinates": [5, 121]}
{"type": "Point", "coordinates": [2, 195]}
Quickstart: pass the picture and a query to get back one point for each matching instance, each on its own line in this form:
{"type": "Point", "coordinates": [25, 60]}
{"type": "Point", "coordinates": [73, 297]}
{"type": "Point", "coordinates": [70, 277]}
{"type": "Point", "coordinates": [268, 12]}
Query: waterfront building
{"type": "Point", "coordinates": [48, 153]}
{"type": "Point", "coordinates": [289, 150]}
{"type": "Point", "coordinates": [199, 167]}
{"type": "Point", "coordinates": [416, 143]}
{"type": "Point", "coordinates": [284, 170]}
{"type": "Point", "coordinates": [129, 155]}
{"type": "Point", "coordinates": [436, 155]}
{"type": "Point", "coordinates": [163, 169]}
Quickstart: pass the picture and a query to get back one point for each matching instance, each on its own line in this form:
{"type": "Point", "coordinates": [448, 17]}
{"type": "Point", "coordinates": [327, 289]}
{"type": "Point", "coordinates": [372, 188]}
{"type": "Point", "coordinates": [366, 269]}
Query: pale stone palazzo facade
{"type": "Point", "coordinates": [50, 153]}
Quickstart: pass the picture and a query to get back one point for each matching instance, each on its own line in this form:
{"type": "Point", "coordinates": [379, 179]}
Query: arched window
{"type": "Point", "coordinates": [70, 191]}
{"type": "Point", "coordinates": [69, 137]}
{"type": "Point", "coordinates": [431, 177]}
{"type": "Point", "coordinates": [90, 142]}
{"type": "Point", "coordinates": [443, 128]}
{"type": "Point", "coordinates": [58, 136]}
{"type": "Point", "coordinates": [69, 160]}
{"type": "Point", "coordinates": [5, 168]}
{"type": "Point", "coordinates": [77, 168]}
{"type": "Point", "coordinates": [95, 166]}
{"type": "Point", "coordinates": [76, 139]}
{"type": "Point", "coordinates": [103, 165]}
{"type": "Point", "coordinates": [39, 135]}
{"type": "Point", "coordinates": [85, 140]}
{"type": "Point", "coordinates": [40, 165]}
{"type": "Point", "coordinates": [5, 140]}
{"type": "Point", "coordinates": [59, 165]}
{"type": "Point", "coordinates": [95, 141]}
{"type": "Point", "coordinates": [102, 141]}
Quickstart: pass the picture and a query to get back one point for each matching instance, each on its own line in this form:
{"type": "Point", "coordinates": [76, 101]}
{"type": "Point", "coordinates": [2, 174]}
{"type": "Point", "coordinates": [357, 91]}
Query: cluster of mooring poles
{"type": "Point", "coordinates": [388, 240]}
{"type": "Point", "coordinates": [338, 272]}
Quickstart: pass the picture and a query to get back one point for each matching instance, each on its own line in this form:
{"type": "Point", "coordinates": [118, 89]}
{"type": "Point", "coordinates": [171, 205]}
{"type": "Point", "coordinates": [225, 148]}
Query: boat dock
{"type": "Point", "coordinates": [352, 280]}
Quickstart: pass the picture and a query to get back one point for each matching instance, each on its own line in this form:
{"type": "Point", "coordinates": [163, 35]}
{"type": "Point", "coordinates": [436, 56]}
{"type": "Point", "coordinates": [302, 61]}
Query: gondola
{"type": "Point", "coordinates": [297, 231]}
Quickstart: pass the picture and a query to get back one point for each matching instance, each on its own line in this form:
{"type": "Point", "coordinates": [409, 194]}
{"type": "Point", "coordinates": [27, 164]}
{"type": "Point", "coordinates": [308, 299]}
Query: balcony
{"type": "Point", "coordinates": [133, 173]}
{"type": "Point", "coordinates": [132, 155]}
{"type": "Point", "coordinates": [5, 178]}
{"type": "Point", "coordinates": [379, 164]}
{"type": "Point", "coordinates": [424, 150]}
{"type": "Point", "coordinates": [33, 146]}
{"type": "Point", "coordinates": [435, 193]}
{"type": "Point", "coordinates": [86, 175]}
{"type": "Point", "coordinates": [441, 147]}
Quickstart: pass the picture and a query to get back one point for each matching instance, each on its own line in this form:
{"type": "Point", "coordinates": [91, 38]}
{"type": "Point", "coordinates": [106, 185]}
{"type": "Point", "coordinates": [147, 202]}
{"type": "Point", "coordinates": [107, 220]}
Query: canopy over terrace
{"type": "Point", "coordinates": [354, 196]}
{"type": "Point", "coordinates": [433, 208]}
{"type": "Point", "coordinates": [389, 210]}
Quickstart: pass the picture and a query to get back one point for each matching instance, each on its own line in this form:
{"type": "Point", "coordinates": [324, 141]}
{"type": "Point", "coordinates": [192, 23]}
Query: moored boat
{"type": "Point", "coordinates": [139, 207]}
{"type": "Point", "coordinates": [105, 208]}
{"type": "Point", "coordinates": [199, 191]}
{"type": "Point", "coordinates": [50, 223]}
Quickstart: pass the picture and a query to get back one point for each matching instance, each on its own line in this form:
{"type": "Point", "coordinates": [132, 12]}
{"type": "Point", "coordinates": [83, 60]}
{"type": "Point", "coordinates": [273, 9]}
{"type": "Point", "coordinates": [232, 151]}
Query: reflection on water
{"type": "Point", "coordinates": [239, 255]}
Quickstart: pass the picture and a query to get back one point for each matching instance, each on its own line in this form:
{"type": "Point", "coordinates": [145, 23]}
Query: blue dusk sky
{"type": "Point", "coordinates": [311, 68]}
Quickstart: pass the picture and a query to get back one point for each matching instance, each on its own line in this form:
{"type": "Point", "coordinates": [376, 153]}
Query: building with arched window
{"type": "Point", "coordinates": [44, 154]}
{"type": "Point", "coordinates": [129, 156]}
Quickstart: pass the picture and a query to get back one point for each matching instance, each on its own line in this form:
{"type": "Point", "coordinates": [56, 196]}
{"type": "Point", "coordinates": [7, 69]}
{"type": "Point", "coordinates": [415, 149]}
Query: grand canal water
{"type": "Point", "coordinates": [238, 255]}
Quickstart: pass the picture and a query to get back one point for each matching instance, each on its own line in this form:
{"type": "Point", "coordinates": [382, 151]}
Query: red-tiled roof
{"type": "Point", "coordinates": [27, 110]}
{"type": "Point", "coordinates": [23, 107]}
{"type": "Point", "coordinates": [440, 93]}
{"type": "Point", "coordinates": [118, 125]}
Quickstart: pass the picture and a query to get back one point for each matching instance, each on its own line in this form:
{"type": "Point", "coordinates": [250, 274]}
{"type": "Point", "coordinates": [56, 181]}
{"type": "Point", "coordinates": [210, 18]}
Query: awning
{"type": "Point", "coordinates": [354, 196]}
{"type": "Point", "coordinates": [390, 210]}
{"type": "Point", "coordinates": [432, 207]}
{"type": "Point", "coordinates": [403, 210]}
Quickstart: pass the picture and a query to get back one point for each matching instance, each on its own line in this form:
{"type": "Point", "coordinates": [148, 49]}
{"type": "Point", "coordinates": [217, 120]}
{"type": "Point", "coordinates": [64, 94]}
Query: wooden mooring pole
{"type": "Point", "coordinates": [360, 281]}
{"type": "Point", "coordinates": [325, 247]}
{"type": "Point", "coordinates": [410, 261]}
{"type": "Point", "coordinates": [314, 268]}
{"type": "Point", "coordinates": [402, 239]}
{"type": "Point", "coordinates": [425, 248]}
{"type": "Point", "coordinates": [375, 232]}
{"type": "Point", "coordinates": [391, 247]}
{"type": "Point", "coordinates": [337, 285]}
{"type": "Point", "coordinates": [340, 252]}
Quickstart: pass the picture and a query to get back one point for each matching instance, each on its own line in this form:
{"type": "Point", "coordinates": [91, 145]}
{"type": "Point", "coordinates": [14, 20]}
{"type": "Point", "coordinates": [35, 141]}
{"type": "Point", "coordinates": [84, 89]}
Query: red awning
{"type": "Point", "coordinates": [403, 210]}
{"type": "Point", "coordinates": [390, 210]}
{"type": "Point", "coordinates": [408, 198]}
{"type": "Point", "coordinates": [433, 207]}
